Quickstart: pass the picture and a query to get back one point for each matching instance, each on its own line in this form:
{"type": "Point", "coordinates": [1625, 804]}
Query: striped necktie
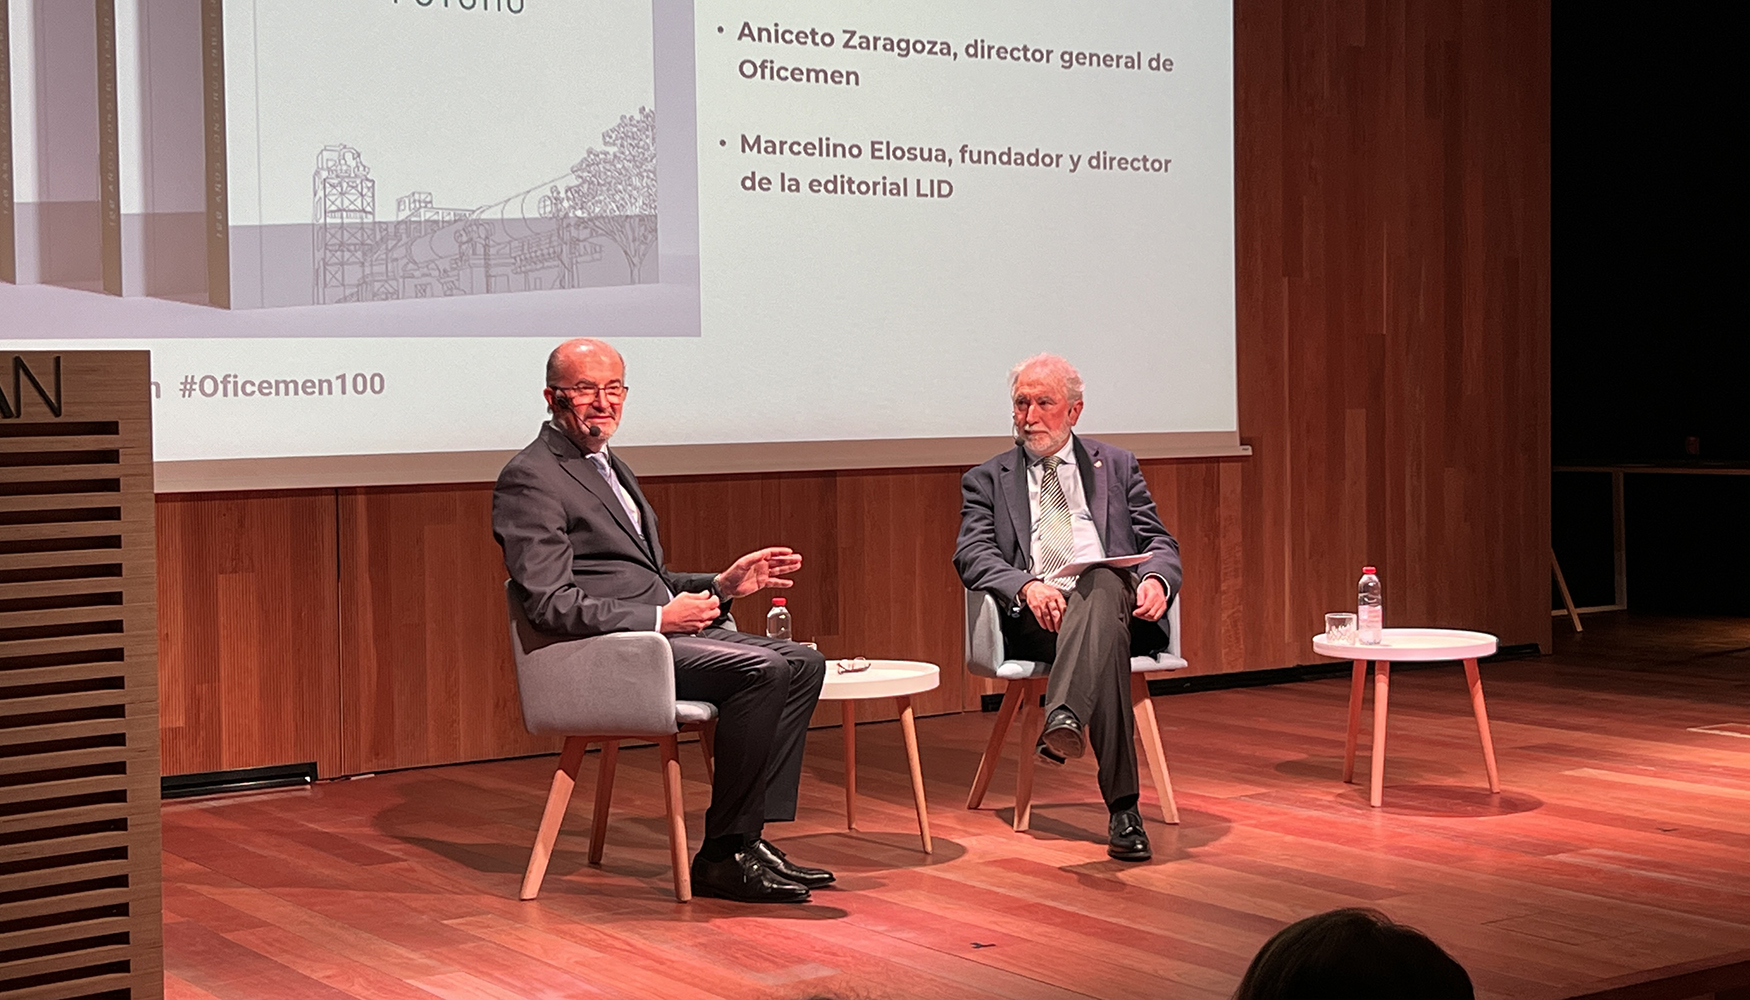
{"type": "Point", "coordinates": [1056, 541]}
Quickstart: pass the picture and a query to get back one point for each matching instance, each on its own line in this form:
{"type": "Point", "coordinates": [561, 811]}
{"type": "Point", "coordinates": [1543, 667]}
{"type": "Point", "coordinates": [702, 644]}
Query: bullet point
{"type": "Point", "coordinates": [722, 142]}
{"type": "Point", "coordinates": [720, 29]}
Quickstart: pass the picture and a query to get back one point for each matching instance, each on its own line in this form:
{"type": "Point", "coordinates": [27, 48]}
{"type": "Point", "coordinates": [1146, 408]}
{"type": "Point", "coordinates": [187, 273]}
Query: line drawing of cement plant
{"type": "Point", "coordinates": [552, 235]}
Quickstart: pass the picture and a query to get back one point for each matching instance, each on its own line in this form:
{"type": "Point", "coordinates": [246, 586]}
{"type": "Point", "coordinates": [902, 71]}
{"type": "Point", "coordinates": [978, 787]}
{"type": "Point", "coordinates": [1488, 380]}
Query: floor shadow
{"type": "Point", "coordinates": [491, 859]}
{"type": "Point", "coordinates": [722, 909]}
{"type": "Point", "coordinates": [1455, 801]}
{"type": "Point", "coordinates": [1331, 768]}
{"type": "Point", "coordinates": [1079, 822]}
{"type": "Point", "coordinates": [868, 853]}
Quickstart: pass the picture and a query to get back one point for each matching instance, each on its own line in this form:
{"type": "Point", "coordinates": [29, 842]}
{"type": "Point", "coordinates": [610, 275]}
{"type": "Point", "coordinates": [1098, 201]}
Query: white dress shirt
{"type": "Point", "coordinates": [1081, 520]}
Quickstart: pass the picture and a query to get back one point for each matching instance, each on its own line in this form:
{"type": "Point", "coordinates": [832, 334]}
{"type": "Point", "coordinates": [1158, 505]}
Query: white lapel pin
{"type": "Point", "coordinates": [1096, 463]}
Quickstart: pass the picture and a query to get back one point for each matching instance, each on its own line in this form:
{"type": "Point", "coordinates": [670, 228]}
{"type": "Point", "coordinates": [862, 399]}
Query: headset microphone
{"type": "Point", "coordinates": [563, 402]}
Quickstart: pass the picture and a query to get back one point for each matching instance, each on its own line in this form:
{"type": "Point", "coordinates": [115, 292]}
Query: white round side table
{"type": "Point", "coordinates": [896, 679]}
{"type": "Point", "coordinates": [1408, 644]}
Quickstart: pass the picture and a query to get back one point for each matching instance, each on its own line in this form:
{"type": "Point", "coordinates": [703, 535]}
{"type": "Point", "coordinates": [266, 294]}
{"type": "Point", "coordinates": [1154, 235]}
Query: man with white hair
{"type": "Point", "coordinates": [584, 557]}
{"type": "Point", "coordinates": [1026, 514]}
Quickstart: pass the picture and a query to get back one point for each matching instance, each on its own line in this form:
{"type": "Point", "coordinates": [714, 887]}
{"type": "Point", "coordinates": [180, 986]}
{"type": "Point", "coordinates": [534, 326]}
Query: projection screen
{"type": "Point", "coordinates": [820, 232]}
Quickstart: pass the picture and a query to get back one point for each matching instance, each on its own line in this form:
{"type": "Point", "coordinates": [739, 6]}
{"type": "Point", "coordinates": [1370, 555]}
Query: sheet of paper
{"type": "Point", "coordinates": [1116, 562]}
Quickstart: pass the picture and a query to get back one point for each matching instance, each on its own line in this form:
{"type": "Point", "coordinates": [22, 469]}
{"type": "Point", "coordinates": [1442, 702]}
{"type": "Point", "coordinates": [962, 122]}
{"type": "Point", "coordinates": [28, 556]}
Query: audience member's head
{"type": "Point", "coordinates": [1357, 954]}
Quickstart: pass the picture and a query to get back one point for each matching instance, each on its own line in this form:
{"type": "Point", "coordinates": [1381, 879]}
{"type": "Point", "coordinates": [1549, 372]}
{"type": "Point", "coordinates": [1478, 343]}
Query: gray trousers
{"type": "Point", "coordinates": [1090, 668]}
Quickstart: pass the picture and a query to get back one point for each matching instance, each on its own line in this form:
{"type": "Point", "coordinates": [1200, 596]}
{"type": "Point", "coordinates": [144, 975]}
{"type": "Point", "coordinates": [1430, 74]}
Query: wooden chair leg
{"type": "Point", "coordinates": [1381, 691]}
{"type": "Point", "coordinates": [908, 725]}
{"type": "Point", "coordinates": [848, 708]}
{"type": "Point", "coordinates": [604, 792]}
{"type": "Point", "coordinates": [993, 750]}
{"type": "Point", "coordinates": [1357, 690]}
{"type": "Point", "coordinates": [708, 747]}
{"type": "Point", "coordinates": [677, 819]}
{"type": "Point", "coordinates": [558, 797]}
{"type": "Point", "coordinates": [1030, 723]}
{"type": "Point", "coordinates": [1475, 681]}
{"type": "Point", "coordinates": [1148, 728]}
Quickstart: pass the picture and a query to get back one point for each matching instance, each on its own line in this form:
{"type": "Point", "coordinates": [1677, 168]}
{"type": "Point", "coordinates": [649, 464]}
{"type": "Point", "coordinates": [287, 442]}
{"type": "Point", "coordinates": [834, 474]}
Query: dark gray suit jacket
{"type": "Point", "coordinates": [995, 547]}
{"type": "Point", "coordinates": [576, 561]}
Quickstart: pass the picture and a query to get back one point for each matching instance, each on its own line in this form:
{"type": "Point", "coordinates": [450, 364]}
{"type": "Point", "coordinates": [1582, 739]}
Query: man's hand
{"type": "Point", "coordinates": [759, 570]}
{"type": "Point", "coordinates": [1151, 600]}
{"type": "Point", "coordinates": [1046, 602]}
{"type": "Point", "coordinates": [688, 614]}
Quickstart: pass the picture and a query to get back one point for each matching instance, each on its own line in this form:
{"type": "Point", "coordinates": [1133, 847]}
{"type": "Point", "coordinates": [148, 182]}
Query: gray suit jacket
{"type": "Point", "coordinates": [995, 547]}
{"type": "Point", "coordinates": [575, 560]}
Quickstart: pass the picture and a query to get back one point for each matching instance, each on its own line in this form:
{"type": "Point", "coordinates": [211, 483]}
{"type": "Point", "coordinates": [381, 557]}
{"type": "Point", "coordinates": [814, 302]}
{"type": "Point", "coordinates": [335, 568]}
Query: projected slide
{"type": "Point", "coordinates": [378, 151]}
{"type": "Point", "coordinates": [827, 224]}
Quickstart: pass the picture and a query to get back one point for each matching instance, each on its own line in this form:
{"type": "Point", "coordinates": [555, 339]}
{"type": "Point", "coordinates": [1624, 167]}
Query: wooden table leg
{"type": "Point", "coordinates": [1381, 689]}
{"type": "Point", "coordinates": [908, 725]}
{"type": "Point", "coordinates": [1475, 680]}
{"type": "Point", "coordinates": [1357, 689]}
{"type": "Point", "coordinates": [850, 726]}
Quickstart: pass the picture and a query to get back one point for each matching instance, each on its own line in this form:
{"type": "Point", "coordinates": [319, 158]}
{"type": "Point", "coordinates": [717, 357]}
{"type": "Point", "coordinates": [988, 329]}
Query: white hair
{"type": "Point", "coordinates": [1055, 366]}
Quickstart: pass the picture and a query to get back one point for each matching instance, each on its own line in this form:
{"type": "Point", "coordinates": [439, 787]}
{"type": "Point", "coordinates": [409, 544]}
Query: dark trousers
{"type": "Point", "coordinates": [1090, 668]}
{"type": "Point", "coordinates": [764, 690]}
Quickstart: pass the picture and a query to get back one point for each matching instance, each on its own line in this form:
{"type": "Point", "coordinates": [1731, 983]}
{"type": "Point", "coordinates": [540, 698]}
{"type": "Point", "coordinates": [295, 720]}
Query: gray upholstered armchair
{"type": "Point", "coordinates": [603, 689]}
{"type": "Point", "coordinates": [1026, 684]}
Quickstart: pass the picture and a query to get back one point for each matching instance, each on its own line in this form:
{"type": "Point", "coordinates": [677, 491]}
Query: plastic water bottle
{"type": "Point", "coordinates": [1369, 609]}
{"type": "Point", "coordinates": [778, 619]}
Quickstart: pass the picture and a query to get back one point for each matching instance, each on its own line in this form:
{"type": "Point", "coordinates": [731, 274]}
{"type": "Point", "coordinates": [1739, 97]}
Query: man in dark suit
{"type": "Point", "coordinates": [1027, 513]}
{"type": "Point", "coordinates": [581, 546]}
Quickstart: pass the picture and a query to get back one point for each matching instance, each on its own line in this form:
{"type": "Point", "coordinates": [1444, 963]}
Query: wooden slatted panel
{"type": "Point", "coordinates": [79, 834]}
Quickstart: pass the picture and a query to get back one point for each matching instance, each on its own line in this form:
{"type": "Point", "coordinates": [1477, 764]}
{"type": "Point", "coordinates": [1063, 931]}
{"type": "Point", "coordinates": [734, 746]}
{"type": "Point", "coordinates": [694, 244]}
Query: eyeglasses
{"type": "Point", "coordinates": [613, 392]}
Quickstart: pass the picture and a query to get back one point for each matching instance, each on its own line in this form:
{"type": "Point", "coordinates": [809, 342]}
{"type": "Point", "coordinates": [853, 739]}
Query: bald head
{"type": "Point", "coordinates": [569, 359]}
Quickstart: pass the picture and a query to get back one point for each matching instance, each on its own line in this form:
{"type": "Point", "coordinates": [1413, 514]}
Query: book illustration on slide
{"type": "Point", "coordinates": [553, 235]}
{"type": "Point", "coordinates": [348, 163]}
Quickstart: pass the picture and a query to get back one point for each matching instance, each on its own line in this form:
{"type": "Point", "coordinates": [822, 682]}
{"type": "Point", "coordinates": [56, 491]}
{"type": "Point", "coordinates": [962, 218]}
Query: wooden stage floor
{"type": "Point", "coordinates": [1617, 854]}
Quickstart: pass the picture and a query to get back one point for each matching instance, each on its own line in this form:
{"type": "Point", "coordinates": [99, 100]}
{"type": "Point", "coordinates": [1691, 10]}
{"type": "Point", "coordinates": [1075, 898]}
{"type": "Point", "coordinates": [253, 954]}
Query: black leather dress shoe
{"type": "Point", "coordinates": [1127, 840]}
{"type": "Point", "coordinates": [1063, 734]}
{"type": "Point", "coordinates": [742, 878]}
{"type": "Point", "coordinates": [771, 857]}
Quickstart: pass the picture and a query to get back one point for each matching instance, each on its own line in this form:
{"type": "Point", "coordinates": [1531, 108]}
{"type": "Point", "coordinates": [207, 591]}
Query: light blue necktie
{"type": "Point", "coordinates": [600, 461]}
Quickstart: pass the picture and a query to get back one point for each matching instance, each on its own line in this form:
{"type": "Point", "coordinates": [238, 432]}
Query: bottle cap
{"type": "Point", "coordinates": [1368, 569]}
{"type": "Point", "coordinates": [778, 602]}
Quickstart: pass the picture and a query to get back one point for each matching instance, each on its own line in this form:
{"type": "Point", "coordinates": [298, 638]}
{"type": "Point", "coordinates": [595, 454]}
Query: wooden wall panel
{"type": "Point", "coordinates": [248, 630]}
{"type": "Point", "coordinates": [80, 844]}
{"type": "Point", "coordinates": [1393, 217]}
{"type": "Point", "coordinates": [1393, 256]}
{"type": "Point", "coordinates": [875, 581]}
{"type": "Point", "coordinates": [425, 666]}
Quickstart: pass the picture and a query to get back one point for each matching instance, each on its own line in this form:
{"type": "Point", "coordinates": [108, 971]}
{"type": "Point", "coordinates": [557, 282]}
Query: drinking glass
{"type": "Point", "coordinates": [1340, 628]}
